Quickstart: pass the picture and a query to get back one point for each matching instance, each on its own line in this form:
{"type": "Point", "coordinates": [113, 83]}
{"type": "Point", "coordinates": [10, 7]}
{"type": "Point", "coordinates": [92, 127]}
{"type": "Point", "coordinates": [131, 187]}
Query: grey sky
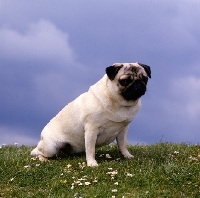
{"type": "Point", "coordinates": [52, 51]}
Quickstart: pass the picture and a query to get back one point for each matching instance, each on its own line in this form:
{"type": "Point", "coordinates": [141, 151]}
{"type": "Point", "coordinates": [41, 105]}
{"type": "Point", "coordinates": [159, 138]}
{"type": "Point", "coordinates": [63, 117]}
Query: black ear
{"type": "Point", "coordinates": [112, 71]}
{"type": "Point", "coordinates": [147, 69]}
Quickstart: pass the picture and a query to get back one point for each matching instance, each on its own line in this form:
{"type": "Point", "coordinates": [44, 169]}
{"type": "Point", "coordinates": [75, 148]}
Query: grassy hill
{"type": "Point", "coordinates": [159, 170]}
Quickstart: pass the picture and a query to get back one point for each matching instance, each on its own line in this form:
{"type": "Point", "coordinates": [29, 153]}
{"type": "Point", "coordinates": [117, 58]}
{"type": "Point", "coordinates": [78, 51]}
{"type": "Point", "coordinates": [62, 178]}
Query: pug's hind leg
{"type": "Point", "coordinates": [122, 143]}
{"type": "Point", "coordinates": [42, 158]}
{"type": "Point", "coordinates": [44, 150]}
{"type": "Point", "coordinates": [39, 154]}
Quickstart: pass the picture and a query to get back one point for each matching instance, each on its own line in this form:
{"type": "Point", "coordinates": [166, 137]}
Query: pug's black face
{"type": "Point", "coordinates": [133, 89]}
{"type": "Point", "coordinates": [131, 79]}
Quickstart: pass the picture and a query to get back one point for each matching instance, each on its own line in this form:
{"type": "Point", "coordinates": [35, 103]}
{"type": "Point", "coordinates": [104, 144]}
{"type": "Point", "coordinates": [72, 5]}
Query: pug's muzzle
{"type": "Point", "coordinates": [135, 89]}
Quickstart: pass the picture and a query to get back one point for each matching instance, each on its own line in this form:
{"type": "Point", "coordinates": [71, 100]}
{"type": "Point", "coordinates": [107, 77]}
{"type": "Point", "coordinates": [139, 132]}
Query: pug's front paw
{"type": "Point", "coordinates": [92, 163]}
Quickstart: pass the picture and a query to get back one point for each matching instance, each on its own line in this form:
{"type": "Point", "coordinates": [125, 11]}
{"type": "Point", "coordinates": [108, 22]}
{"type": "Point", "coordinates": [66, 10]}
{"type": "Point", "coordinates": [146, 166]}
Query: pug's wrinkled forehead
{"type": "Point", "coordinates": [136, 68]}
{"type": "Point", "coordinates": [128, 68]}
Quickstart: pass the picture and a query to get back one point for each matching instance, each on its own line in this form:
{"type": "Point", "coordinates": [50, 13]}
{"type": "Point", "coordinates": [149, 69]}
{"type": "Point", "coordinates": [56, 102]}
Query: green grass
{"type": "Point", "coordinates": [159, 170]}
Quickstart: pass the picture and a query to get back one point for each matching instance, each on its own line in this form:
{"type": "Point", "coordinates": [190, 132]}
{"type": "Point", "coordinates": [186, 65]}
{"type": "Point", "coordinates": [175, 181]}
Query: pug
{"type": "Point", "coordinates": [97, 117]}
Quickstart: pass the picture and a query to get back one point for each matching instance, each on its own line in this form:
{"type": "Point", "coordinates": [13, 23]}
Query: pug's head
{"type": "Point", "coordinates": [131, 79]}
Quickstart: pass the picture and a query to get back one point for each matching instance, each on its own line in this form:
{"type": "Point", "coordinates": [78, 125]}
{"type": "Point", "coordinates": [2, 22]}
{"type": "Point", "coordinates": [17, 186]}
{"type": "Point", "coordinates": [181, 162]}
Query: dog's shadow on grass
{"type": "Point", "coordinates": [103, 154]}
{"type": "Point", "coordinates": [110, 153]}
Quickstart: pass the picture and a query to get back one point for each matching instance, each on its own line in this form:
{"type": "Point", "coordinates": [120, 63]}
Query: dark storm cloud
{"type": "Point", "coordinates": [51, 52]}
{"type": "Point", "coordinates": [36, 68]}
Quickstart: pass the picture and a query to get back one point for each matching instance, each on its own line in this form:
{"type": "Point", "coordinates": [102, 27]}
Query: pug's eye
{"type": "Point", "coordinates": [125, 82]}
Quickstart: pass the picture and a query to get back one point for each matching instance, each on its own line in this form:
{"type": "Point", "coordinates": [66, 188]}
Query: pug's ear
{"type": "Point", "coordinates": [112, 71]}
{"type": "Point", "coordinates": [147, 69]}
